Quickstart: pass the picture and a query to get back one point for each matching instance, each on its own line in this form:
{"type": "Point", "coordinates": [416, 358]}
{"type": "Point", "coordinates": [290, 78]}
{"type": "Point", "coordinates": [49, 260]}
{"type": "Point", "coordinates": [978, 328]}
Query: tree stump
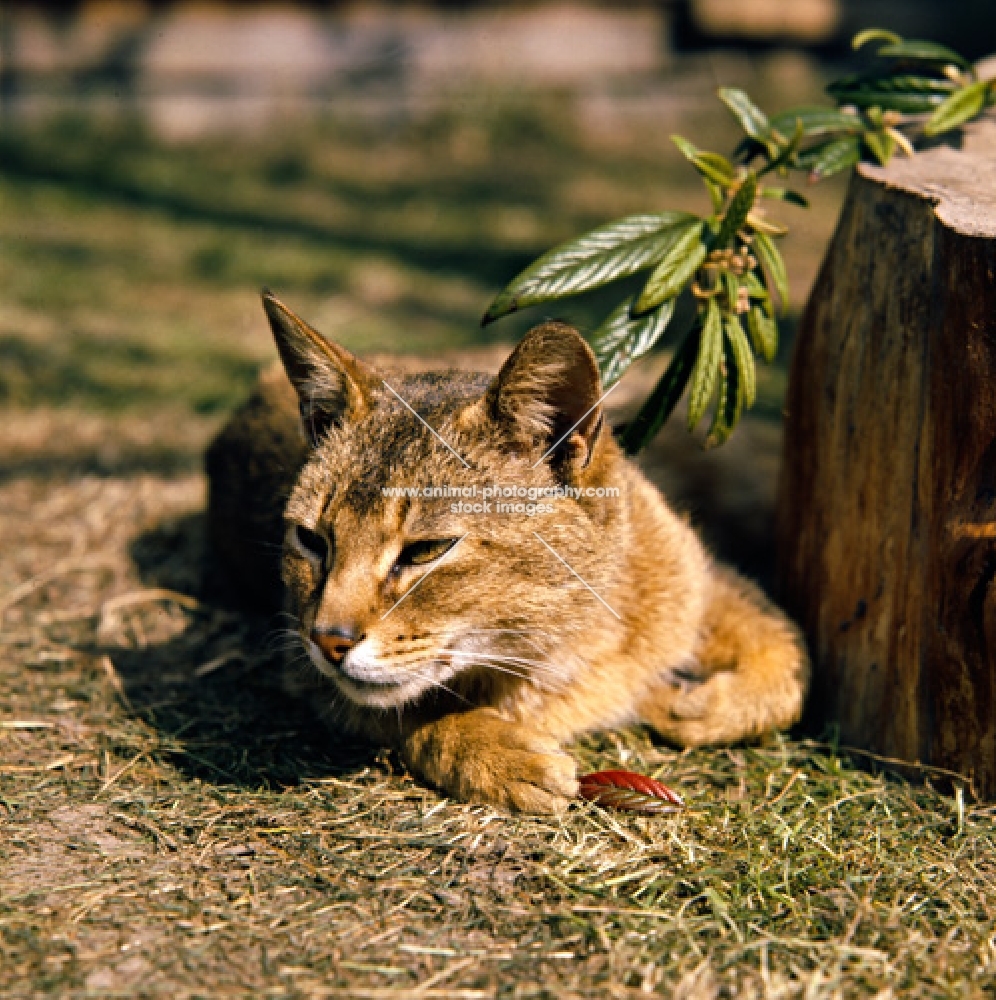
{"type": "Point", "coordinates": [887, 497]}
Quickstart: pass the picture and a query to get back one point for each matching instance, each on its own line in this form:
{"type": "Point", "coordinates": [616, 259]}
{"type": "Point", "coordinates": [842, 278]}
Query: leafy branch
{"type": "Point", "coordinates": [728, 262]}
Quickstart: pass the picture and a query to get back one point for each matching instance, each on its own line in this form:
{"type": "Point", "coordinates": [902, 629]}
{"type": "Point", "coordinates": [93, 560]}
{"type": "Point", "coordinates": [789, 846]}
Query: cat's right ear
{"type": "Point", "coordinates": [333, 386]}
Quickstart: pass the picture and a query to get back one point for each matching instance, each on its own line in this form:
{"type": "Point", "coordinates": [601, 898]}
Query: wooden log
{"type": "Point", "coordinates": [887, 498]}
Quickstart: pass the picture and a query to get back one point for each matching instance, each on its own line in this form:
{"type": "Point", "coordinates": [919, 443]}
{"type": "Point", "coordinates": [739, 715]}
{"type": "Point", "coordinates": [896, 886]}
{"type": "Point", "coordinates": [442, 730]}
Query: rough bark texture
{"type": "Point", "coordinates": [887, 501]}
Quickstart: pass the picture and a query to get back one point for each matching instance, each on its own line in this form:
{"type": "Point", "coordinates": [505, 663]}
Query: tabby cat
{"type": "Point", "coordinates": [479, 636]}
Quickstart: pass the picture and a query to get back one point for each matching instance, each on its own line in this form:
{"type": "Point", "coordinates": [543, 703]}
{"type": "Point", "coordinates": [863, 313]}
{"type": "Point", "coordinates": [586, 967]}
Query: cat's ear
{"type": "Point", "coordinates": [547, 395]}
{"type": "Point", "coordinates": [333, 387]}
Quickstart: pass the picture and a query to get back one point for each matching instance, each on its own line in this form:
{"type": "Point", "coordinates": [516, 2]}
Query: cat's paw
{"type": "Point", "coordinates": [706, 713]}
{"type": "Point", "coordinates": [479, 757]}
{"type": "Point", "coordinates": [526, 773]}
{"type": "Point", "coordinates": [727, 708]}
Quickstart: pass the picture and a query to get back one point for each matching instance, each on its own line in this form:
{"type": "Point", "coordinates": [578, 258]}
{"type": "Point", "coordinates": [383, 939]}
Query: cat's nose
{"type": "Point", "coordinates": [335, 641]}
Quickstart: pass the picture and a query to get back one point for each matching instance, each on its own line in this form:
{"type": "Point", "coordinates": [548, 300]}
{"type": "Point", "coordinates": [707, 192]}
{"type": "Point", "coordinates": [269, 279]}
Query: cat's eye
{"type": "Point", "coordinates": [425, 551]}
{"type": "Point", "coordinates": [310, 543]}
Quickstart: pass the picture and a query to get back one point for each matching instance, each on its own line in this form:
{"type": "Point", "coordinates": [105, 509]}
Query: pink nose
{"type": "Point", "coordinates": [335, 642]}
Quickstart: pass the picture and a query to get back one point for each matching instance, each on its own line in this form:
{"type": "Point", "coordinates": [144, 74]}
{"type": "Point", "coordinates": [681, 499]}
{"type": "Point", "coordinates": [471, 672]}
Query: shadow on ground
{"type": "Point", "coordinates": [105, 462]}
{"type": "Point", "coordinates": [101, 178]}
{"type": "Point", "coordinates": [215, 690]}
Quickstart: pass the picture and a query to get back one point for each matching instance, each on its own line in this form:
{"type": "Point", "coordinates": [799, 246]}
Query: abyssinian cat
{"type": "Point", "coordinates": [478, 636]}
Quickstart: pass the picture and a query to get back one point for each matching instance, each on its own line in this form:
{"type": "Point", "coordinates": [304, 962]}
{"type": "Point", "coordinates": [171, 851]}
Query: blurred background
{"type": "Point", "coordinates": [385, 168]}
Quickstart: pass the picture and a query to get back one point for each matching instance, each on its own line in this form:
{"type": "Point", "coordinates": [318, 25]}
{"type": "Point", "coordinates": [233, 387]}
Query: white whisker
{"type": "Point", "coordinates": [432, 681]}
{"type": "Point", "coordinates": [513, 666]}
{"type": "Point", "coordinates": [540, 665]}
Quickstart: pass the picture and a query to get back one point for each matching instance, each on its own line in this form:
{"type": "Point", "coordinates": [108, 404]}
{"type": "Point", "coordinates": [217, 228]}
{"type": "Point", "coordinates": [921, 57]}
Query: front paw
{"type": "Point", "coordinates": [478, 756]}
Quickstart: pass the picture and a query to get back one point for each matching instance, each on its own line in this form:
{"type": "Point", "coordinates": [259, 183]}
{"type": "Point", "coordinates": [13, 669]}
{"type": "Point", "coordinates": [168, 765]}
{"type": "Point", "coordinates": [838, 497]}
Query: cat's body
{"type": "Point", "coordinates": [479, 642]}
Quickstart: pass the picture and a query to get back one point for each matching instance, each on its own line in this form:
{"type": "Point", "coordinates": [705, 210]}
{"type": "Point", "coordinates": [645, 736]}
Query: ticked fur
{"type": "Point", "coordinates": [481, 641]}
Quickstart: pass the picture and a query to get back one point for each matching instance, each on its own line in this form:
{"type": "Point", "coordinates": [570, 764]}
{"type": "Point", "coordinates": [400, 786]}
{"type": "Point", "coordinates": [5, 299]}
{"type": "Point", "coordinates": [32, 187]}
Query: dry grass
{"type": "Point", "coordinates": [173, 825]}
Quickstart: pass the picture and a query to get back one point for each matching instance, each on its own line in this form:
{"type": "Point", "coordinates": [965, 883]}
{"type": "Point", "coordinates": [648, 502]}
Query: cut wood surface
{"type": "Point", "coordinates": [887, 500]}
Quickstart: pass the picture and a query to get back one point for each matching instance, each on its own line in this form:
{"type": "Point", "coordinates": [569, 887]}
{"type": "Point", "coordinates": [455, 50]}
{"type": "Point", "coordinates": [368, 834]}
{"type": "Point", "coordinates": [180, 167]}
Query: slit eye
{"type": "Point", "coordinates": [310, 543]}
{"type": "Point", "coordinates": [425, 551]}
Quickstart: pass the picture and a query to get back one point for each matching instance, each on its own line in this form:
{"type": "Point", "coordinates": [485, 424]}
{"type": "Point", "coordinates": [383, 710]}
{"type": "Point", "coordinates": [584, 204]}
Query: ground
{"type": "Point", "coordinates": [171, 823]}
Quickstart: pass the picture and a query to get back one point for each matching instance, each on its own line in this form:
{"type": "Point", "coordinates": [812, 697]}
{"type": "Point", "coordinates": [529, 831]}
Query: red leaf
{"type": "Point", "coordinates": [628, 790]}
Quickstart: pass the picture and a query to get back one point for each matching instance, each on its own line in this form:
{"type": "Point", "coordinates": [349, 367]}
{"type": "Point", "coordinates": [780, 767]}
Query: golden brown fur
{"type": "Point", "coordinates": [480, 643]}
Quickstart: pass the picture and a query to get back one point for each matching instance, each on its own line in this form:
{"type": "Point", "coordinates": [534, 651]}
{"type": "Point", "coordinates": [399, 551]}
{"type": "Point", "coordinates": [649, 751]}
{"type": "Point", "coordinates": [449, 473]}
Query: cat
{"type": "Point", "coordinates": [479, 636]}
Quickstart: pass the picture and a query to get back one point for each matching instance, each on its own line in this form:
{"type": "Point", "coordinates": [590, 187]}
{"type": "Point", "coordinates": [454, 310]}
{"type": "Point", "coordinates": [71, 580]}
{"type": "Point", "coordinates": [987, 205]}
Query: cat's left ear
{"type": "Point", "coordinates": [547, 396]}
{"type": "Point", "coordinates": [333, 386]}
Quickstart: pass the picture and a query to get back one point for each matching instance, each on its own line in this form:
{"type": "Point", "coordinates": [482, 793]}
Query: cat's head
{"type": "Point", "coordinates": [405, 575]}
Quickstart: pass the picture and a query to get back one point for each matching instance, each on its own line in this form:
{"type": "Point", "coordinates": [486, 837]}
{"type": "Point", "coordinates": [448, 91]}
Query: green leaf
{"type": "Point", "coordinates": [918, 50]}
{"type": "Point", "coordinates": [729, 402]}
{"type": "Point", "coordinates": [829, 158]}
{"type": "Point", "coordinates": [785, 194]}
{"type": "Point", "coordinates": [731, 288]}
{"type": "Point", "coordinates": [717, 194]}
{"type": "Point", "coordinates": [688, 149]}
{"type": "Point", "coordinates": [862, 38]}
{"type": "Point", "coordinates": [716, 171]}
{"type": "Point", "coordinates": [706, 370]}
{"type": "Point", "coordinates": [818, 121]}
{"type": "Point", "coordinates": [743, 356]}
{"type": "Point", "coordinates": [751, 118]}
{"type": "Point", "coordinates": [881, 145]}
{"type": "Point", "coordinates": [911, 94]}
{"type": "Point", "coordinates": [606, 254]}
{"type": "Point", "coordinates": [623, 338]}
{"type": "Point", "coordinates": [755, 287]}
{"type": "Point", "coordinates": [717, 167]}
{"type": "Point", "coordinates": [712, 166]}
{"type": "Point", "coordinates": [771, 260]}
{"type": "Point", "coordinates": [676, 269]}
{"type": "Point", "coordinates": [660, 404]}
{"type": "Point", "coordinates": [763, 331]}
{"type": "Point", "coordinates": [876, 117]}
{"type": "Point", "coordinates": [961, 107]}
{"type": "Point", "coordinates": [785, 151]}
{"type": "Point", "coordinates": [736, 214]}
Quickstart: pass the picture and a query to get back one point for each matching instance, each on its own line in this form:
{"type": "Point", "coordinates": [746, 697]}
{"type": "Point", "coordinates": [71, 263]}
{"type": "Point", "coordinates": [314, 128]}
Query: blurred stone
{"type": "Point", "coordinates": [807, 21]}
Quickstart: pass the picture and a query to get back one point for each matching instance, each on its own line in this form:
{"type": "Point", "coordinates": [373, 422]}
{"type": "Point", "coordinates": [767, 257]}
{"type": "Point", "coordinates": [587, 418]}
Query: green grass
{"type": "Point", "coordinates": [131, 267]}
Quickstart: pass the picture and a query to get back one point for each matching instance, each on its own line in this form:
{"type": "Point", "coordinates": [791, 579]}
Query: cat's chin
{"type": "Point", "coordinates": [377, 695]}
{"type": "Point", "coordinates": [370, 691]}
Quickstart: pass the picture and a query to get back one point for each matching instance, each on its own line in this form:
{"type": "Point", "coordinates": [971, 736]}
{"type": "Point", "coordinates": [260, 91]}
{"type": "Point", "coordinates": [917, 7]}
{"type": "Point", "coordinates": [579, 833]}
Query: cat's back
{"type": "Point", "coordinates": [252, 465]}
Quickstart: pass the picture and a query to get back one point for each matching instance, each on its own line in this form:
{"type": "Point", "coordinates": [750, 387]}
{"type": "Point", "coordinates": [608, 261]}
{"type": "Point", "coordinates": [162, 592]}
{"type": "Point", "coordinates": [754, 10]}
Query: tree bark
{"type": "Point", "coordinates": [887, 498]}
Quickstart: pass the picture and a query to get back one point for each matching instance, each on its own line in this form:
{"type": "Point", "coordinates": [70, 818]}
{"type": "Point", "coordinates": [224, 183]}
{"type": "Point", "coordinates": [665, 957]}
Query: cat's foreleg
{"type": "Point", "coordinates": [480, 756]}
{"type": "Point", "coordinates": [749, 676]}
